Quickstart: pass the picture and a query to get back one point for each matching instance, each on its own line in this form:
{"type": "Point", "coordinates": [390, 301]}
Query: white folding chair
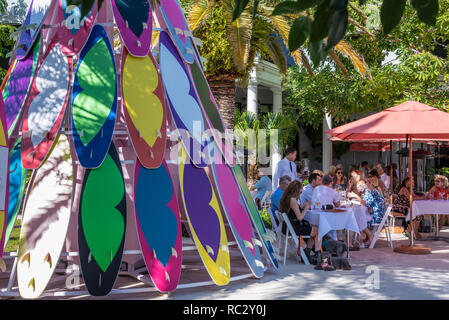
{"type": "Point", "coordinates": [290, 234]}
{"type": "Point", "coordinates": [266, 200]}
{"type": "Point", "coordinates": [383, 224]}
{"type": "Point", "coordinates": [275, 227]}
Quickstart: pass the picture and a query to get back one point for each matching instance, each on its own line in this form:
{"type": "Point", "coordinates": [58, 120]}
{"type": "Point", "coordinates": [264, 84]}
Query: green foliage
{"type": "Point", "coordinates": [13, 242]}
{"type": "Point", "coordinates": [281, 127]}
{"type": "Point", "coordinates": [298, 33]}
{"type": "Point", "coordinates": [287, 7]}
{"type": "Point", "coordinates": [85, 5]}
{"type": "Point", "coordinates": [216, 49]}
{"type": "Point", "coordinates": [6, 46]}
{"type": "Point", "coordinates": [415, 74]}
{"type": "Point", "coordinates": [391, 13]}
{"type": "Point", "coordinates": [331, 18]}
{"type": "Point", "coordinates": [266, 218]}
{"type": "Point", "coordinates": [3, 6]}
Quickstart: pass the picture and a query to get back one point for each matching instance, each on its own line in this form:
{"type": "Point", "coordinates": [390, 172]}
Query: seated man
{"type": "Point", "coordinates": [284, 181]}
{"type": "Point", "coordinates": [306, 195]}
{"type": "Point", "coordinates": [325, 195]}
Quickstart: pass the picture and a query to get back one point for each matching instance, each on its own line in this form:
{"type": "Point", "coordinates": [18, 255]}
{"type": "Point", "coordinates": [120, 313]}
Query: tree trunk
{"type": "Point", "coordinates": [223, 89]}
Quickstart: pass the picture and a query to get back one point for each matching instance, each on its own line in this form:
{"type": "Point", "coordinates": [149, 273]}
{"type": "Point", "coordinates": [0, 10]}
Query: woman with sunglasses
{"type": "Point", "coordinates": [340, 181]}
{"type": "Point", "coordinates": [440, 191]}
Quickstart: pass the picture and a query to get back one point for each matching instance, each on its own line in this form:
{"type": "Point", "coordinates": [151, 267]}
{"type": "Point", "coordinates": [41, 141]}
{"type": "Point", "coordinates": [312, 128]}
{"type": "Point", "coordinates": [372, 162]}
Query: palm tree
{"type": "Point", "coordinates": [285, 124]}
{"type": "Point", "coordinates": [251, 34]}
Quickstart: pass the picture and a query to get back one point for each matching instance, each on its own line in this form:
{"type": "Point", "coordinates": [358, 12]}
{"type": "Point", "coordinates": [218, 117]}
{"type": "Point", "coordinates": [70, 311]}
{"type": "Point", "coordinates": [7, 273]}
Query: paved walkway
{"type": "Point", "coordinates": [376, 274]}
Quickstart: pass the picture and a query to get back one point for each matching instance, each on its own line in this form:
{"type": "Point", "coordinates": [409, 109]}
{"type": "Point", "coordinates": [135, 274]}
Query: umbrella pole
{"type": "Point", "coordinates": [410, 174]}
{"type": "Point", "coordinates": [391, 171]}
{"type": "Point", "coordinates": [411, 249]}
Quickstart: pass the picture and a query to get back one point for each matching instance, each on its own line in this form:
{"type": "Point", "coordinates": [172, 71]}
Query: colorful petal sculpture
{"type": "Point", "coordinates": [17, 183]}
{"type": "Point", "coordinates": [45, 221]}
{"type": "Point", "coordinates": [145, 108]}
{"type": "Point", "coordinates": [4, 175]}
{"type": "Point", "coordinates": [17, 86]}
{"type": "Point", "coordinates": [102, 224]}
{"type": "Point", "coordinates": [45, 106]}
{"type": "Point", "coordinates": [183, 102]}
{"type": "Point", "coordinates": [35, 17]}
{"type": "Point", "coordinates": [158, 225]}
{"type": "Point", "coordinates": [255, 216]}
{"type": "Point", "coordinates": [236, 213]}
{"type": "Point", "coordinates": [73, 31]}
{"type": "Point", "coordinates": [135, 23]}
{"type": "Point", "coordinates": [171, 17]}
{"type": "Point", "coordinates": [215, 121]}
{"type": "Point", "coordinates": [94, 100]}
{"type": "Point", "coordinates": [205, 219]}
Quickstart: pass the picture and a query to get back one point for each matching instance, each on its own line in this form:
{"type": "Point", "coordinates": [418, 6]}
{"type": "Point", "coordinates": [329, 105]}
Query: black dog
{"type": "Point", "coordinates": [336, 248]}
{"type": "Point", "coordinates": [324, 262]}
{"type": "Point", "coordinates": [336, 251]}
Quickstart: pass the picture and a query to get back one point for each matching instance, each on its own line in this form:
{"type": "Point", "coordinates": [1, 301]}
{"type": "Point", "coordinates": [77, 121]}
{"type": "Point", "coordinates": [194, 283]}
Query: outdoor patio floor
{"type": "Point", "coordinates": [400, 276]}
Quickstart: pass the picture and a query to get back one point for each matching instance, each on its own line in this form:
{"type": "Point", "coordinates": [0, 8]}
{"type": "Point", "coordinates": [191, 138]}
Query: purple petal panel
{"type": "Point", "coordinates": [18, 85]}
{"type": "Point", "coordinates": [198, 195]}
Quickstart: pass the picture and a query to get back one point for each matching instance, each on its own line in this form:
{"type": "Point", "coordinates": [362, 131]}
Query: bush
{"type": "Point", "coordinates": [265, 218]}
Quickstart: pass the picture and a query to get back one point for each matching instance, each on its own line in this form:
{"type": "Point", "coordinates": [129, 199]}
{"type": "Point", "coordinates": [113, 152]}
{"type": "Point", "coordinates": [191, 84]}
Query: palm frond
{"type": "Point", "coordinates": [339, 64]}
{"type": "Point", "coordinates": [361, 28]}
{"type": "Point", "coordinates": [282, 27]}
{"type": "Point", "coordinates": [198, 13]}
{"type": "Point", "coordinates": [239, 34]}
{"type": "Point", "coordinates": [357, 60]}
{"type": "Point", "coordinates": [285, 126]}
{"type": "Point", "coordinates": [276, 52]}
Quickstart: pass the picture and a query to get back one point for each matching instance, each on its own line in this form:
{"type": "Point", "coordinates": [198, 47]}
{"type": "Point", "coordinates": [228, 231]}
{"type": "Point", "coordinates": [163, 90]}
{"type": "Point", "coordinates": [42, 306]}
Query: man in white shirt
{"type": "Point", "coordinates": [325, 195]}
{"type": "Point", "coordinates": [383, 175]}
{"type": "Point", "coordinates": [307, 192]}
{"type": "Point", "coordinates": [286, 166]}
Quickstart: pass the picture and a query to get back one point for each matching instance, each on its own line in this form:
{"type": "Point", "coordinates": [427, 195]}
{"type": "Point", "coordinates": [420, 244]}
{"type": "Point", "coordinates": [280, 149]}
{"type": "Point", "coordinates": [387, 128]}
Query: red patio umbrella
{"type": "Point", "coordinates": [411, 118]}
{"type": "Point", "coordinates": [408, 121]}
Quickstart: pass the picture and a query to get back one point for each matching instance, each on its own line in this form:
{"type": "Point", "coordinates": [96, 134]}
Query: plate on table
{"type": "Point", "coordinates": [336, 210]}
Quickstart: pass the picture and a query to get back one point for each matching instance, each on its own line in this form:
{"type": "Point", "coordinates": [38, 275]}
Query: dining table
{"type": "Point", "coordinates": [432, 207]}
{"type": "Point", "coordinates": [336, 219]}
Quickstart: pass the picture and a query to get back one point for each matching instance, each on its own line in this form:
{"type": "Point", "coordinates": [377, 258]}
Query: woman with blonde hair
{"type": "Point", "coordinates": [440, 191]}
{"type": "Point", "coordinates": [296, 213]}
{"type": "Point", "coordinates": [354, 179]}
{"type": "Point", "coordinates": [331, 172]}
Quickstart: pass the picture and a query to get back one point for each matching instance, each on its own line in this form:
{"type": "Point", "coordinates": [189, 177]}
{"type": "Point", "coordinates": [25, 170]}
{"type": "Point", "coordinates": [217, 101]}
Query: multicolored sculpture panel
{"type": "Point", "coordinates": [74, 95]}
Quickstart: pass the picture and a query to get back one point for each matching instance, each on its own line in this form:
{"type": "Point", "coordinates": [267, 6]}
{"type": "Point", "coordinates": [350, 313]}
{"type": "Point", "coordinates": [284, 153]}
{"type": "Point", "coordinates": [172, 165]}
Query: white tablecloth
{"type": "Point", "coordinates": [327, 221]}
{"type": "Point", "coordinates": [421, 207]}
{"type": "Point", "coordinates": [362, 216]}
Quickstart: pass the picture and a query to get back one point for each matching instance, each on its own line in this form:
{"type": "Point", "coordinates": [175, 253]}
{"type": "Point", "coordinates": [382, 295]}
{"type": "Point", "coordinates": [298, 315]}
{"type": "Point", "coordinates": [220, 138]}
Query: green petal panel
{"type": "Point", "coordinates": [96, 77]}
{"type": "Point", "coordinates": [103, 224]}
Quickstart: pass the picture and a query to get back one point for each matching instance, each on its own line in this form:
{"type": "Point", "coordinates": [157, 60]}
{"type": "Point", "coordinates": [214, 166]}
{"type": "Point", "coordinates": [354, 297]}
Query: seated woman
{"type": "Point", "coordinates": [295, 213]}
{"type": "Point", "coordinates": [340, 182]}
{"type": "Point", "coordinates": [354, 178]}
{"type": "Point", "coordinates": [439, 191]}
{"type": "Point", "coordinates": [401, 205]}
{"type": "Point", "coordinates": [370, 197]}
{"type": "Point", "coordinates": [380, 185]}
{"type": "Point", "coordinates": [374, 200]}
